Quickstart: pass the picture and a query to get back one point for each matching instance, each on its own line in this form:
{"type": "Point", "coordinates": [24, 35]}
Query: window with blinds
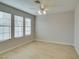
{"type": "Point", "coordinates": [14, 26]}
{"type": "Point", "coordinates": [5, 26]}
{"type": "Point", "coordinates": [18, 27]}
{"type": "Point", "coordinates": [27, 26]}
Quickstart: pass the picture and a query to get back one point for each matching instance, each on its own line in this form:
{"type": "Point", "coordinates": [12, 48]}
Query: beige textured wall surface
{"type": "Point", "coordinates": [56, 27]}
{"type": "Point", "coordinates": [76, 41]}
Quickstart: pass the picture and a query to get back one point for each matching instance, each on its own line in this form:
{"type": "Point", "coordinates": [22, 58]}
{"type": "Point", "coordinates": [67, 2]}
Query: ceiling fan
{"type": "Point", "coordinates": [43, 9]}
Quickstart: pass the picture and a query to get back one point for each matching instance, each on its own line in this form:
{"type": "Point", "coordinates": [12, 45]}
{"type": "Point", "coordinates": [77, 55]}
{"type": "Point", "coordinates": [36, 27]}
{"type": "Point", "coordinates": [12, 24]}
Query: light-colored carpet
{"type": "Point", "coordinates": [41, 50]}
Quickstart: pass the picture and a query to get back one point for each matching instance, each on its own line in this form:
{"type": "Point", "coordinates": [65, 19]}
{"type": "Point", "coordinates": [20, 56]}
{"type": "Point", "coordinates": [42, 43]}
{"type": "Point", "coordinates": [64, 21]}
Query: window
{"type": "Point", "coordinates": [27, 26]}
{"type": "Point", "coordinates": [5, 26]}
{"type": "Point", "coordinates": [17, 26]}
{"type": "Point", "coordinates": [18, 20]}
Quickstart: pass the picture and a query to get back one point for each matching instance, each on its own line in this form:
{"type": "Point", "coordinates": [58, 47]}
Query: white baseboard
{"type": "Point", "coordinates": [55, 42]}
{"type": "Point", "coordinates": [77, 51]}
{"type": "Point", "coordinates": [6, 50]}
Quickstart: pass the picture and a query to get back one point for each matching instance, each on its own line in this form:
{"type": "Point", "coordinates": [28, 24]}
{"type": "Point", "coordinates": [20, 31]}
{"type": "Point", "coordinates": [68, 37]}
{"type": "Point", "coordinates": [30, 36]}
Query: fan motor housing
{"type": "Point", "coordinates": [37, 1]}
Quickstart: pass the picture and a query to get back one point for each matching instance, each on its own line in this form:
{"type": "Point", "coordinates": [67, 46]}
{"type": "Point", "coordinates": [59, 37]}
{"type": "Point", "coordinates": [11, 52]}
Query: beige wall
{"type": "Point", "coordinates": [58, 28]}
{"type": "Point", "coordinates": [76, 41]}
{"type": "Point", "coordinates": [12, 43]}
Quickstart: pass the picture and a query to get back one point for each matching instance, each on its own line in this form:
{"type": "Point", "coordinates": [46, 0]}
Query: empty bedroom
{"type": "Point", "coordinates": [39, 29]}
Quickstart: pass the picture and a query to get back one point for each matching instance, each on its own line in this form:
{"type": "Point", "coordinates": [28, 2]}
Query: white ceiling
{"type": "Point", "coordinates": [54, 6]}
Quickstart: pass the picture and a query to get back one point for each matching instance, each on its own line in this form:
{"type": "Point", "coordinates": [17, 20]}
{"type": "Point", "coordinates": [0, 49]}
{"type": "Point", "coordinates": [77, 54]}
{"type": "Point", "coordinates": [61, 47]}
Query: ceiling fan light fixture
{"type": "Point", "coordinates": [42, 6]}
{"type": "Point", "coordinates": [42, 12]}
{"type": "Point", "coordinates": [43, 9]}
{"type": "Point", "coordinates": [39, 12]}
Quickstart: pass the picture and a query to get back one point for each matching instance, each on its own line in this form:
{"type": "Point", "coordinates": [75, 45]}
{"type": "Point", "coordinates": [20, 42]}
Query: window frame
{"type": "Point", "coordinates": [22, 28]}
{"type": "Point", "coordinates": [13, 25]}
{"type": "Point", "coordinates": [7, 26]}
{"type": "Point", "coordinates": [28, 26]}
